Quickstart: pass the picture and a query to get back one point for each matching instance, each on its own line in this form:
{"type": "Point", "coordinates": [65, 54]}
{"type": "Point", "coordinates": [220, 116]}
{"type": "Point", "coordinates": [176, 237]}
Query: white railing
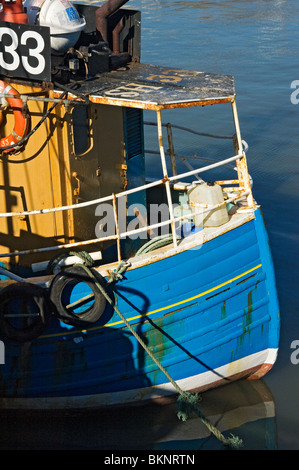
{"type": "Point", "coordinates": [123, 193]}
{"type": "Point", "coordinates": [240, 191]}
{"type": "Point", "coordinates": [113, 197]}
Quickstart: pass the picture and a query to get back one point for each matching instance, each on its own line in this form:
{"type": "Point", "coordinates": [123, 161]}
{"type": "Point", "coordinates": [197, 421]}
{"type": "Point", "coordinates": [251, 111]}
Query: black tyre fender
{"type": "Point", "coordinates": [26, 293]}
{"type": "Point", "coordinates": [63, 282]}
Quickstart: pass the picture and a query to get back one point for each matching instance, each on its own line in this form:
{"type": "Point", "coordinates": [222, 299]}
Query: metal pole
{"type": "Point", "coordinates": [165, 176]}
{"type": "Point", "coordinates": [171, 149]}
{"type": "Point", "coordinates": [242, 163]}
{"type": "Point", "coordinates": [116, 228]}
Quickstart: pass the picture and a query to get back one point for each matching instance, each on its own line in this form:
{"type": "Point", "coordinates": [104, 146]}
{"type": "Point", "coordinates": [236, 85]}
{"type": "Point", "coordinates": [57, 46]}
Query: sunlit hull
{"type": "Point", "coordinates": [209, 315]}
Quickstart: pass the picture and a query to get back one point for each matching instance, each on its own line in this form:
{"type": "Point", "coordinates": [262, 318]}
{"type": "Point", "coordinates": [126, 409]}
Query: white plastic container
{"type": "Point", "coordinates": [61, 17]}
{"type": "Point", "coordinates": [207, 194]}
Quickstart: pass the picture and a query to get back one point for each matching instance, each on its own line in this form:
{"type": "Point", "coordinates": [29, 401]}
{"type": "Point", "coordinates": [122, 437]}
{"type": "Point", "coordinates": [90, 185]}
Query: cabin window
{"type": "Point", "coordinates": [133, 120]}
{"type": "Point", "coordinates": [80, 129]}
{"type": "Point", "coordinates": [133, 132]}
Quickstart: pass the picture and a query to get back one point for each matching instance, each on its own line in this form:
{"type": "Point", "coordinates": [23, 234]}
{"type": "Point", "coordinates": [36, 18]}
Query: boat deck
{"type": "Point", "coordinates": [194, 240]}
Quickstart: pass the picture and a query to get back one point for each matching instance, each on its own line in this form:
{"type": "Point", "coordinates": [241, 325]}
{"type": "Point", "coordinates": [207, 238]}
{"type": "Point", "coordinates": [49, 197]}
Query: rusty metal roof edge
{"type": "Point", "coordinates": [156, 106]}
{"type": "Point", "coordinates": [156, 87]}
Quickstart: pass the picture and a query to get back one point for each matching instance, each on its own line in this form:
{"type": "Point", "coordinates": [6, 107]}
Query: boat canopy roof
{"type": "Point", "coordinates": [155, 87]}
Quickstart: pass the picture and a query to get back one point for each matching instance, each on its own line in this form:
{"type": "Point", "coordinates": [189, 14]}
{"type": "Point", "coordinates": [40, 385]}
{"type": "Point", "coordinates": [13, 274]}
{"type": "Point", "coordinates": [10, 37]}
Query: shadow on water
{"type": "Point", "coordinates": [243, 408]}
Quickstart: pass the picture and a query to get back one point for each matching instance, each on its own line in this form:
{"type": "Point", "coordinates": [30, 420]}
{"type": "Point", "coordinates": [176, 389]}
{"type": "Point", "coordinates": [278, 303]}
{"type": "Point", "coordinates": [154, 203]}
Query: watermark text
{"type": "Point", "coordinates": [136, 221]}
{"type": "Point", "coordinates": [2, 353]}
{"type": "Point", "coordinates": [295, 354]}
{"type": "Point", "coordinates": [295, 94]}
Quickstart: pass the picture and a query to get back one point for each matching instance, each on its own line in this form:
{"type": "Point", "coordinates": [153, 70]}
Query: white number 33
{"type": "Point", "coordinates": [12, 59]}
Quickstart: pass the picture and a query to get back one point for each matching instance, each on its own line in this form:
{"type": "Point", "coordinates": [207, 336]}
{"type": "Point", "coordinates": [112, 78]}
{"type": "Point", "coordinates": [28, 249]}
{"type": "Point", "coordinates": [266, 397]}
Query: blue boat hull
{"type": "Point", "coordinates": [209, 316]}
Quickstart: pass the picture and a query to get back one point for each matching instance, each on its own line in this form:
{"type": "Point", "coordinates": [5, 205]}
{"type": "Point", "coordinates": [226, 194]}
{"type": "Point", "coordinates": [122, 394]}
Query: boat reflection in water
{"type": "Point", "coordinates": [244, 407]}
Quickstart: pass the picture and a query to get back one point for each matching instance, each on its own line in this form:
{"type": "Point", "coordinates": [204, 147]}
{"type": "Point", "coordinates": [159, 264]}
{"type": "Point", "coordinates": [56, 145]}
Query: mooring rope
{"type": "Point", "coordinates": [117, 274]}
{"type": "Point", "coordinates": [186, 402]}
{"type": "Point", "coordinates": [83, 255]}
{"type": "Point", "coordinates": [155, 243]}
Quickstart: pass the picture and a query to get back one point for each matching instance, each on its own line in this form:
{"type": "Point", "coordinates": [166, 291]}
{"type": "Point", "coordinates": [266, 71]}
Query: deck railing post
{"type": "Point", "coordinates": [116, 227]}
{"type": "Point", "coordinates": [241, 163]}
{"type": "Point", "coordinates": [171, 149]}
{"type": "Point", "coordinates": [165, 176]}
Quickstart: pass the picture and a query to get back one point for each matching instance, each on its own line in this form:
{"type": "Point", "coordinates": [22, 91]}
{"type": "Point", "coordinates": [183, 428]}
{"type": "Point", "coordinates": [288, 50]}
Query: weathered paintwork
{"type": "Point", "coordinates": [209, 315]}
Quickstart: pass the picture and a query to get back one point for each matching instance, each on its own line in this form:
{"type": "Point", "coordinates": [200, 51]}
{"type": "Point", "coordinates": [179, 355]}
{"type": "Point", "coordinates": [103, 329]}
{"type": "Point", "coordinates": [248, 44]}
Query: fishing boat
{"type": "Point", "coordinates": [119, 286]}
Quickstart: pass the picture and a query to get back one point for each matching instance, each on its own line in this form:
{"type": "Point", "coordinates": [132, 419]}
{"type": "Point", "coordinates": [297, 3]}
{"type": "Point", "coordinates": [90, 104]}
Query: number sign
{"type": "Point", "coordinates": [25, 51]}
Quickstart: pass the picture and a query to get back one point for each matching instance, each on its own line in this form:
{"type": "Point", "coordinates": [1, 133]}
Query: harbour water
{"type": "Point", "coordinates": [257, 42]}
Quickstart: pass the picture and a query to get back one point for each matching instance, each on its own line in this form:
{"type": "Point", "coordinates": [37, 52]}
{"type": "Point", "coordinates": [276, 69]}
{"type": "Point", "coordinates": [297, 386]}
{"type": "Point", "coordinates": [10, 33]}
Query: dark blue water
{"type": "Point", "coordinates": [257, 41]}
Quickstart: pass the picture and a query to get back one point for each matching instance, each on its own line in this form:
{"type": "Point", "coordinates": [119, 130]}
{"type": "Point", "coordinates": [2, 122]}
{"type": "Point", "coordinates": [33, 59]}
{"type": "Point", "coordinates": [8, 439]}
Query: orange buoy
{"type": "Point", "coordinates": [22, 120]}
{"type": "Point", "coordinates": [13, 11]}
